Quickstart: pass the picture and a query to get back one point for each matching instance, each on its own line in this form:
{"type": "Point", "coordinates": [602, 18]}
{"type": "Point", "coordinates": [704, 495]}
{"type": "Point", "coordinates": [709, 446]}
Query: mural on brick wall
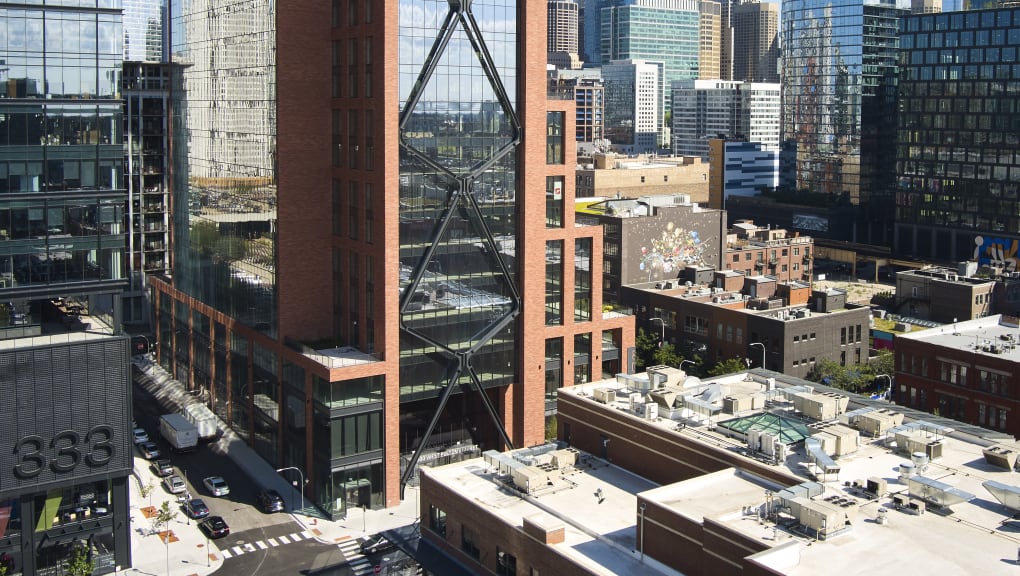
{"type": "Point", "coordinates": [1000, 252]}
{"type": "Point", "coordinates": [674, 249]}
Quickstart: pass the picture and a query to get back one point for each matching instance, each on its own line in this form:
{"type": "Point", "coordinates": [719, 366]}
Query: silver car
{"type": "Point", "coordinates": [174, 484]}
{"type": "Point", "coordinates": [216, 486]}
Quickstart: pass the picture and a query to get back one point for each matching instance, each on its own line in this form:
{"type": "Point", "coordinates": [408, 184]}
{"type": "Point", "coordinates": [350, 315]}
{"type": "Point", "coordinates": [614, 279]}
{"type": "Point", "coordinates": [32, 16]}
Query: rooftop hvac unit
{"type": "Point", "coordinates": [605, 395]}
{"type": "Point", "coordinates": [636, 402]}
{"type": "Point", "coordinates": [651, 411]}
{"type": "Point", "coordinates": [877, 486]}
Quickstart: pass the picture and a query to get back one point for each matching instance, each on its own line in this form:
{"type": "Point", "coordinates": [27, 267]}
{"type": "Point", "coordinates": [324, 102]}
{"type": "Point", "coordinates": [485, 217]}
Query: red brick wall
{"type": "Point", "coordinates": [304, 263]}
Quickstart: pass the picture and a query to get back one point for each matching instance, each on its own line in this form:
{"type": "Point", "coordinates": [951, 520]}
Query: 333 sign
{"type": "Point", "coordinates": [64, 451]}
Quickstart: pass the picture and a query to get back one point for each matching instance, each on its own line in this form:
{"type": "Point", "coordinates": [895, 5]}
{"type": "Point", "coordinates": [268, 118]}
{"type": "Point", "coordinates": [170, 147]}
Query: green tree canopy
{"type": "Point", "coordinates": [728, 366]}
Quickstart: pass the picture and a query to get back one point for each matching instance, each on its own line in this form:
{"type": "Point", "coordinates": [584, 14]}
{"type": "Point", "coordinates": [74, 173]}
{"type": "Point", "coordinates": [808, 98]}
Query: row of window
{"type": "Point", "coordinates": [471, 542]}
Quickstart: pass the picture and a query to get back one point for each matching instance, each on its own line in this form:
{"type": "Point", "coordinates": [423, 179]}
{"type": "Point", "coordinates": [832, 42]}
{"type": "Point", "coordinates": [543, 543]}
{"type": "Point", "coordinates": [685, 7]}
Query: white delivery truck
{"type": "Point", "coordinates": [181, 434]}
{"type": "Point", "coordinates": [204, 420]}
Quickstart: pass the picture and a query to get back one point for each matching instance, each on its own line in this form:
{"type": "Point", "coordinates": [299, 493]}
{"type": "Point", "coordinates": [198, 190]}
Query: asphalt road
{"type": "Point", "coordinates": [259, 544]}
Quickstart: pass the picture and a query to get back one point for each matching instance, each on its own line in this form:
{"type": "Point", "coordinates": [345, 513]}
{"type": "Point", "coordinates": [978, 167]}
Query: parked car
{"type": "Point", "coordinates": [269, 501]}
{"type": "Point", "coordinates": [162, 467]}
{"type": "Point", "coordinates": [174, 484]}
{"type": "Point", "coordinates": [214, 527]}
{"type": "Point", "coordinates": [376, 544]}
{"type": "Point", "coordinates": [216, 486]}
{"type": "Point", "coordinates": [196, 508]}
{"type": "Point", "coordinates": [140, 435]}
{"type": "Point", "coordinates": [149, 450]}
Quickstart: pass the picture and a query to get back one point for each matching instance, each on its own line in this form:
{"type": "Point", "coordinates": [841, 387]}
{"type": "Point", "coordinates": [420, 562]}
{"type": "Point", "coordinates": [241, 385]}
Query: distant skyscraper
{"type": "Point", "coordinates": [838, 74]}
{"type": "Point", "coordinates": [711, 36]}
{"type": "Point", "coordinates": [705, 109]}
{"type": "Point", "coordinates": [562, 24]}
{"type": "Point", "coordinates": [957, 195]}
{"type": "Point", "coordinates": [666, 31]}
{"type": "Point", "coordinates": [925, 6]}
{"type": "Point", "coordinates": [143, 30]}
{"type": "Point", "coordinates": [755, 49]}
{"type": "Point", "coordinates": [633, 104]}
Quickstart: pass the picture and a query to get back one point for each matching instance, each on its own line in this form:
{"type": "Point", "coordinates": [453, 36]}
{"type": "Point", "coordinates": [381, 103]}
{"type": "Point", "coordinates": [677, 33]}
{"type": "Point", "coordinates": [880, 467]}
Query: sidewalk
{"type": "Point", "coordinates": [186, 558]}
{"type": "Point", "coordinates": [179, 549]}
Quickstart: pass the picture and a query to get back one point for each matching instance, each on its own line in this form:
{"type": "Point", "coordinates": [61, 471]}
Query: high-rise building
{"type": "Point", "coordinates": [667, 31]}
{"type": "Point", "coordinates": [143, 30]}
{"type": "Point", "coordinates": [709, 54]}
{"type": "Point", "coordinates": [146, 92]}
{"type": "Point", "coordinates": [956, 192]}
{"type": "Point", "coordinates": [562, 26]}
{"type": "Point", "coordinates": [755, 49]}
{"type": "Point", "coordinates": [839, 65]}
{"type": "Point", "coordinates": [706, 109]}
{"type": "Point", "coordinates": [586, 88]}
{"type": "Point", "coordinates": [739, 169]}
{"type": "Point", "coordinates": [925, 6]}
{"type": "Point", "coordinates": [633, 104]}
{"type": "Point", "coordinates": [356, 265]}
{"type": "Point", "coordinates": [67, 452]}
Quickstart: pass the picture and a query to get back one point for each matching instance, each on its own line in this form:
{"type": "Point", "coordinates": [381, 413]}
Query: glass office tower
{"type": "Point", "coordinates": [957, 166]}
{"type": "Point", "coordinates": [458, 193]}
{"type": "Point", "coordinates": [224, 161]}
{"type": "Point", "coordinates": [838, 56]}
{"type": "Point", "coordinates": [65, 377]}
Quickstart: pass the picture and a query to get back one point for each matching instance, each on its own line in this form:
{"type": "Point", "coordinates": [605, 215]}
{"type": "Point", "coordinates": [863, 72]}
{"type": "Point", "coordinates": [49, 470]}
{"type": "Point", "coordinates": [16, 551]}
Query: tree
{"type": "Point", "coordinates": [645, 345]}
{"type": "Point", "coordinates": [162, 519]}
{"type": "Point", "coordinates": [81, 563]}
{"type": "Point", "coordinates": [667, 355]}
{"type": "Point", "coordinates": [728, 366]}
{"type": "Point", "coordinates": [145, 490]}
{"type": "Point", "coordinates": [164, 515]}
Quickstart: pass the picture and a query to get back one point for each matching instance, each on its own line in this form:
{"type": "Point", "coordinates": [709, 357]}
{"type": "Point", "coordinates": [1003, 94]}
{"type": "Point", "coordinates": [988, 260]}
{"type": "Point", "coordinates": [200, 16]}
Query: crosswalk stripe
{"type": "Point", "coordinates": [226, 553]}
{"type": "Point", "coordinates": [237, 550]}
{"type": "Point", "coordinates": [306, 534]}
{"type": "Point", "coordinates": [273, 542]}
{"type": "Point", "coordinates": [262, 545]}
{"type": "Point", "coordinates": [284, 540]}
{"type": "Point", "coordinates": [249, 547]}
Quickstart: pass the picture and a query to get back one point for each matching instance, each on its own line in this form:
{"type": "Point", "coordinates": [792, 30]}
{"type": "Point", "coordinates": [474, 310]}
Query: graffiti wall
{"type": "Point", "coordinates": [994, 251]}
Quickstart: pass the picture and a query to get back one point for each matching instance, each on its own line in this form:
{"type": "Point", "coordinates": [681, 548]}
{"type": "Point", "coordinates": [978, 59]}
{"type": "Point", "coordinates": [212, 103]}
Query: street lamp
{"type": "Point", "coordinates": [302, 479]}
{"type": "Point", "coordinates": [663, 323]}
{"type": "Point", "coordinates": [682, 362]}
{"type": "Point", "coordinates": [762, 352]}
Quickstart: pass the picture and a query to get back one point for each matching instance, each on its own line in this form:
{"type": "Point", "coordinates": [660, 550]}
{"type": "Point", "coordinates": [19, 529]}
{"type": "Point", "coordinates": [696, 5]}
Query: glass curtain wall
{"type": "Point", "coordinates": [225, 158]}
{"type": "Point", "coordinates": [458, 204]}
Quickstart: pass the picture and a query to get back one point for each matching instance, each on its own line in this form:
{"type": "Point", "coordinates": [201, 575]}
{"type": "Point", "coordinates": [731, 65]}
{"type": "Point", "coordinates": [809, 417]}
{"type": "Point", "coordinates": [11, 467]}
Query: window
{"type": "Point", "coordinates": [469, 542]}
{"type": "Point", "coordinates": [437, 520]}
{"type": "Point", "coordinates": [736, 257]}
{"type": "Point", "coordinates": [554, 138]}
{"type": "Point", "coordinates": [554, 201]}
{"type": "Point", "coordinates": [506, 564]}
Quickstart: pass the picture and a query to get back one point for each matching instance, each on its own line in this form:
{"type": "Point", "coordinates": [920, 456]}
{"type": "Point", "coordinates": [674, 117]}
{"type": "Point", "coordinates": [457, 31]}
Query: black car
{"type": "Point", "coordinates": [196, 508]}
{"type": "Point", "coordinates": [162, 467]}
{"type": "Point", "coordinates": [214, 527]}
{"type": "Point", "coordinates": [376, 544]}
{"type": "Point", "coordinates": [270, 501]}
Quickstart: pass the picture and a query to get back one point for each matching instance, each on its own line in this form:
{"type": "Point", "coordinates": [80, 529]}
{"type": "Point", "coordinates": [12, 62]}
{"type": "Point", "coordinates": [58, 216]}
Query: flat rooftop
{"type": "Point", "coordinates": [978, 535]}
{"type": "Point", "coordinates": [602, 539]}
{"type": "Point", "coordinates": [995, 336]}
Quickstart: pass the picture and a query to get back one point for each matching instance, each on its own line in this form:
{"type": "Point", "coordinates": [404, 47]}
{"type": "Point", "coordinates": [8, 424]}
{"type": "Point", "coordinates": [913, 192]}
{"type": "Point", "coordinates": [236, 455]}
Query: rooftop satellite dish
{"type": "Point", "coordinates": [692, 382]}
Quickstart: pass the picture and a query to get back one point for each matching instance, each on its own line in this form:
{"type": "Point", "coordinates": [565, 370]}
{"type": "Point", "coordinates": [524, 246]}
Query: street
{"type": "Point", "coordinates": [259, 544]}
